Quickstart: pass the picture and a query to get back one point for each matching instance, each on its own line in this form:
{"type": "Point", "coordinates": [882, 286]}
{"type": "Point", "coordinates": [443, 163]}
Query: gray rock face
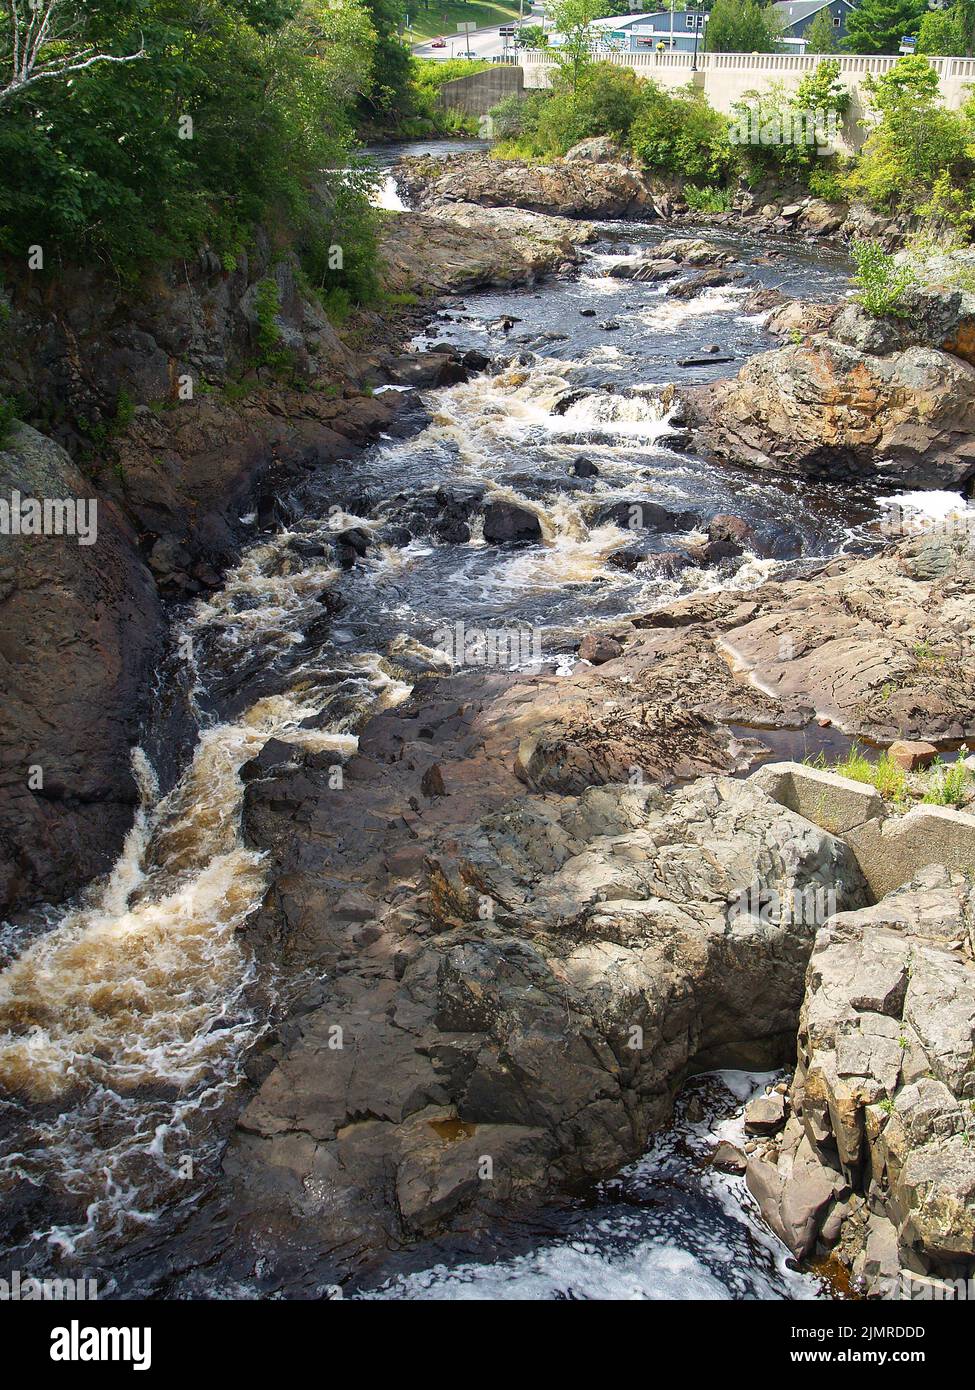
{"type": "Point", "coordinates": [884, 1091]}
{"type": "Point", "coordinates": [82, 630]}
{"type": "Point", "coordinates": [535, 1004]}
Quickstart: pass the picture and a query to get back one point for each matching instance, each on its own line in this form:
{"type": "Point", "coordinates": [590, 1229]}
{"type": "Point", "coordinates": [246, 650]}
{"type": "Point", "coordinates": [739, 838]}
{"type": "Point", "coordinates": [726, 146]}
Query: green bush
{"type": "Point", "coordinates": [707, 199]}
{"type": "Point", "coordinates": [678, 133]}
{"type": "Point", "coordinates": [916, 146]}
{"type": "Point", "coordinates": [950, 784]}
{"type": "Point", "coordinates": [516, 118]}
{"type": "Point", "coordinates": [790, 138]}
{"type": "Point", "coordinates": [604, 101]}
{"type": "Point", "coordinates": [882, 282]}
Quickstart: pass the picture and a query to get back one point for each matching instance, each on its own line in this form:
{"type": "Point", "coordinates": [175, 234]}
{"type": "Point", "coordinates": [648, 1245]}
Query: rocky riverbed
{"type": "Point", "coordinates": [412, 934]}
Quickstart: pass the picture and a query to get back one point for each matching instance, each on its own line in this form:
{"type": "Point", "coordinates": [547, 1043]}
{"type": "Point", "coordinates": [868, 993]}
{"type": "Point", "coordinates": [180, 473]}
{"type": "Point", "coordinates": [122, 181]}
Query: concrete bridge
{"type": "Point", "coordinates": [724, 78]}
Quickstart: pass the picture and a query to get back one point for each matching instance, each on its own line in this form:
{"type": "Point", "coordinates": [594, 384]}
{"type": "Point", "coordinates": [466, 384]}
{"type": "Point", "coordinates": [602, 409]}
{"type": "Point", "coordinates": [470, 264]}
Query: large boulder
{"type": "Point", "coordinates": [526, 1017]}
{"type": "Point", "coordinates": [82, 633]}
{"type": "Point", "coordinates": [568, 188]}
{"type": "Point", "coordinates": [508, 523]}
{"type": "Point", "coordinates": [828, 410]}
{"type": "Point", "coordinates": [457, 247]}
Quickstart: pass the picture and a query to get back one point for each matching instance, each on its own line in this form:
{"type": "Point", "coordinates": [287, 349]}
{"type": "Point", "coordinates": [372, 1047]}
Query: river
{"type": "Point", "coordinates": [126, 1018]}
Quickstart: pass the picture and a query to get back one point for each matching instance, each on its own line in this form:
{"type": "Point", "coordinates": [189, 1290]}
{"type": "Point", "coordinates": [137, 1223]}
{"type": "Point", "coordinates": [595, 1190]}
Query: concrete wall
{"type": "Point", "coordinates": [475, 95]}
{"type": "Point", "coordinates": [889, 849]}
{"type": "Point", "coordinates": [724, 78]}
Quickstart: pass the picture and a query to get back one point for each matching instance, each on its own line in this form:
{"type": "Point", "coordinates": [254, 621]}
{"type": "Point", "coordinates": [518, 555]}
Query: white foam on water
{"type": "Point", "coordinates": [935, 505]}
{"type": "Point", "coordinates": [387, 197]}
{"type": "Point", "coordinates": [672, 312]}
{"type": "Point", "coordinates": [639, 1254]}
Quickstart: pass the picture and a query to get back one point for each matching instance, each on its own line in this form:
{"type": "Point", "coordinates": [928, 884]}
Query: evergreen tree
{"type": "Point", "coordinates": [877, 26]}
{"type": "Point", "coordinates": [821, 35]}
{"type": "Point", "coordinates": [742, 26]}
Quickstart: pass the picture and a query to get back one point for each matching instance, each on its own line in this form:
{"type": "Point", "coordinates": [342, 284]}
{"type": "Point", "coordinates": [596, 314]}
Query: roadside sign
{"type": "Point", "coordinates": [466, 27]}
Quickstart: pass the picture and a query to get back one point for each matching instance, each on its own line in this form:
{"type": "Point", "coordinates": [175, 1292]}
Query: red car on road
{"type": "Point", "coordinates": [439, 43]}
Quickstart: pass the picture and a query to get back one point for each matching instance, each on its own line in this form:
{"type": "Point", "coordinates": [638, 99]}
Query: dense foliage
{"type": "Point", "coordinates": [877, 26]}
{"type": "Point", "coordinates": [236, 107]}
{"type": "Point", "coordinates": [918, 155]}
{"type": "Point", "coordinates": [949, 33]}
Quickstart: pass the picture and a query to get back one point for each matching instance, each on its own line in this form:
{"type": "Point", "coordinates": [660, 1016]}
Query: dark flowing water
{"type": "Point", "coordinates": [125, 1022]}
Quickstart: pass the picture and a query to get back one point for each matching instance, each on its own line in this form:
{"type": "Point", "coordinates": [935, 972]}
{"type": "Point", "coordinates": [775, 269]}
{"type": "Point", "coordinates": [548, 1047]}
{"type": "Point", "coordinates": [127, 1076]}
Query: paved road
{"type": "Point", "coordinates": [485, 43]}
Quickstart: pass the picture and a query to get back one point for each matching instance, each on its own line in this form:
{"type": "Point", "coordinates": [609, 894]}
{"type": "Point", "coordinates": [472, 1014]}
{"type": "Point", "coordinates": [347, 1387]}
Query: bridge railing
{"type": "Point", "coordinates": [853, 64]}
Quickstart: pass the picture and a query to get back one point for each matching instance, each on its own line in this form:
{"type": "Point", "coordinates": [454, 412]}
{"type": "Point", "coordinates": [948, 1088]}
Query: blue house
{"type": "Point", "coordinates": [676, 30]}
{"type": "Point", "coordinates": [797, 15]}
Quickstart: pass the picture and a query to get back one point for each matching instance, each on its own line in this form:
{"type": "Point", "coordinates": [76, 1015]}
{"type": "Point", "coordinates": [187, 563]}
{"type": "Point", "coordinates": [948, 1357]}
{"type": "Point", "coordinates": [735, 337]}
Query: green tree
{"type": "Point", "coordinates": [948, 33]}
{"type": "Point", "coordinates": [877, 26]}
{"type": "Point", "coordinates": [821, 35]}
{"type": "Point", "coordinates": [387, 93]}
{"type": "Point", "coordinates": [742, 26]}
{"type": "Point", "coordinates": [916, 156]}
{"type": "Point", "coordinates": [680, 133]}
{"type": "Point", "coordinates": [604, 101]}
{"type": "Point", "coordinates": [572, 19]}
{"type": "Point", "coordinates": [221, 125]}
{"type": "Point", "coordinates": [531, 36]}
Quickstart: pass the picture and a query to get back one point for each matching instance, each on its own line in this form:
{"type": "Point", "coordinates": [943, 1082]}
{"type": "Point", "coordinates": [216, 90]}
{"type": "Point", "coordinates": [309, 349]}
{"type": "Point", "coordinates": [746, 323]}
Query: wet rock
{"type": "Point", "coordinates": [885, 1039]}
{"type": "Point", "coordinates": [627, 559]}
{"type": "Point", "coordinates": [801, 317]}
{"type": "Point", "coordinates": [83, 635]}
{"type": "Point", "coordinates": [459, 247]}
{"type": "Point", "coordinates": [569, 188]}
{"type": "Point", "coordinates": [645, 271]}
{"type": "Point", "coordinates": [351, 545]}
{"type": "Point", "coordinates": [507, 523]}
{"type": "Point", "coordinates": [599, 647]}
{"type": "Point", "coordinates": [641, 514]}
{"type": "Point", "coordinates": [425, 370]}
{"type": "Point", "coordinates": [728, 537]}
{"type": "Point", "coordinates": [584, 468]}
{"type": "Point", "coordinates": [670, 563]}
{"type": "Point", "coordinates": [827, 410]}
{"type": "Point", "coordinates": [607, 916]}
{"type": "Point", "coordinates": [728, 1159]}
{"type": "Point", "coordinates": [706, 280]}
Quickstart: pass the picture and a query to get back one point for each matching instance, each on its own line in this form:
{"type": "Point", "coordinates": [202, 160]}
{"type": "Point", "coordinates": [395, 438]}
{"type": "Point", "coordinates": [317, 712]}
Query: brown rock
{"type": "Point", "coordinates": [599, 647]}
{"type": "Point", "coordinates": [910, 754]}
